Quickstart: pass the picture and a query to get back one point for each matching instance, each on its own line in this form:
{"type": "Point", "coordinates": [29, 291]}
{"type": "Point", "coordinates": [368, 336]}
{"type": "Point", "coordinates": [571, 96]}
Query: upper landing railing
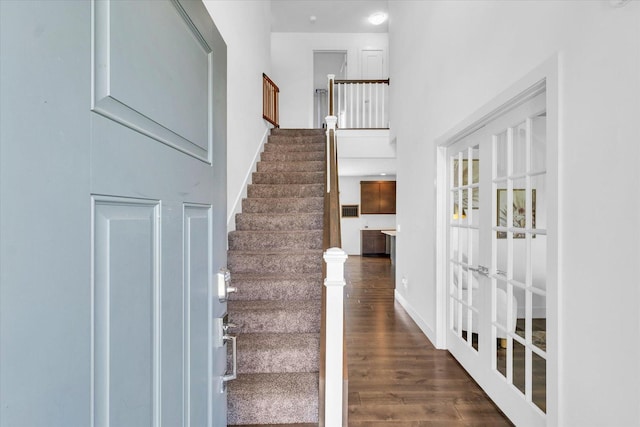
{"type": "Point", "coordinates": [270, 93]}
{"type": "Point", "coordinates": [360, 104]}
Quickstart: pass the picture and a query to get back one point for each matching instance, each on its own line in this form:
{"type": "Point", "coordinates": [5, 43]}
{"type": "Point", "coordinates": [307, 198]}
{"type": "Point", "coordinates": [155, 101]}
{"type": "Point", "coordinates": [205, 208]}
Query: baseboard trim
{"type": "Point", "coordinates": [430, 333]}
{"type": "Point", "coordinates": [237, 204]}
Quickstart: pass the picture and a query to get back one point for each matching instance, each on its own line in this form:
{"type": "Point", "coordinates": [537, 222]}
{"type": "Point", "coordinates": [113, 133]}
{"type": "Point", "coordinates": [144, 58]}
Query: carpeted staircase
{"type": "Point", "coordinates": [275, 259]}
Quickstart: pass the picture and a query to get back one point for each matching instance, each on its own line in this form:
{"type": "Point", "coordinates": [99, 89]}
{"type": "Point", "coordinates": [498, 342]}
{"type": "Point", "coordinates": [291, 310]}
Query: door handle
{"type": "Point", "coordinates": [480, 269]}
{"type": "Point", "coordinates": [224, 284]}
{"type": "Point", "coordinates": [234, 357]}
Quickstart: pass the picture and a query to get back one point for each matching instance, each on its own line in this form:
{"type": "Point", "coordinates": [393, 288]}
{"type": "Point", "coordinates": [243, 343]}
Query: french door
{"type": "Point", "coordinates": [497, 259]}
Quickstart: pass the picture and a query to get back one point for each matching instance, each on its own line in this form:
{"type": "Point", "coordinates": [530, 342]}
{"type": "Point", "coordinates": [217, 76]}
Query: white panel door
{"type": "Point", "coordinates": [372, 64]}
{"type": "Point", "coordinates": [497, 264]}
{"type": "Point", "coordinates": [113, 179]}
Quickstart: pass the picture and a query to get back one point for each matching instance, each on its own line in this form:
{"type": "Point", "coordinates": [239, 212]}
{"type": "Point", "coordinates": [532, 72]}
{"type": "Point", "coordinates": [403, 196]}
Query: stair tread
{"type": "Point", "coordinates": [275, 384]}
{"type": "Point", "coordinates": [270, 305]}
{"type": "Point", "coordinates": [275, 252]}
{"type": "Point", "coordinates": [276, 276]}
{"type": "Point", "coordinates": [274, 398]}
{"type": "Point", "coordinates": [278, 352]}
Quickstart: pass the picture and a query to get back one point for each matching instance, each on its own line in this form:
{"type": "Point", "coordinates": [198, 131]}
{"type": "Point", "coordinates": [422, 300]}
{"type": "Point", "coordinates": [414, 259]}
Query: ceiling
{"type": "Point", "coordinates": [332, 16]}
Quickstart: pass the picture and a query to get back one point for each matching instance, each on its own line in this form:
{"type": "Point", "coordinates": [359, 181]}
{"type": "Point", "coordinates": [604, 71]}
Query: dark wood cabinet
{"type": "Point", "coordinates": [377, 197]}
{"type": "Point", "coordinates": [373, 243]}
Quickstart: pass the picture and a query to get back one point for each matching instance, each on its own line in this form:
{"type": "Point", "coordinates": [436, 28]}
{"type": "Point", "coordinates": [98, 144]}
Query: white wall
{"type": "Point", "coordinates": [448, 59]}
{"type": "Point", "coordinates": [350, 195]}
{"type": "Point", "coordinates": [246, 28]}
{"type": "Point", "coordinates": [292, 67]}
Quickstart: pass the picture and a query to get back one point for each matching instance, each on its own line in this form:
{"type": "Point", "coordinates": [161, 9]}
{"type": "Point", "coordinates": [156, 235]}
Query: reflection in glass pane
{"type": "Point", "coordinates": [520, 260]}
{"type": "Point", "coordinates": [539, 382]}
{"type": "Point", "coordinates": [475, 328]}
{"type": "Point", "coordinates": [501, 154]}
{"type": "Point", "coordinates": [454, 171]}
{"type": "Point", "coordinates": [539, 143]}
{"type": "Point", "coordinates": [501, 355]}
{"type": "Point", "coordinates": [475, 248]}
{"type": "Point", "coordinates": [519, 149]}
{"type": "Point", "coordinates": [539, 188]}
{"type": "Point", "coordinates": [519, 207]}
{"type": "Point", "coordinates": [518, 366]}
{"type": "Point", "coordinates": [539, 262]}
{"type": "Point", "coordinates": [521, 323]}
{"type": "Point", "coordinates": [453, 244]}
{"type": "Point", "coordinates": [454, 315]}
{"type": "Point", "coordinates": [475, 176]}
{"type": "Point", "coordinates": [539, 323]}
{"type": "Point", "coordinates": [501, 307]}
{"type": "Point", "coordinates": [464, 244]}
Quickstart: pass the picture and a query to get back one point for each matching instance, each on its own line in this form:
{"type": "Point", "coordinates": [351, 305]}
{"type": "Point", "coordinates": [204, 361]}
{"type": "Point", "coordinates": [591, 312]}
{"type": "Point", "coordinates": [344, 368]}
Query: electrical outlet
{"type": "Point", "coordinates": [405, 282]}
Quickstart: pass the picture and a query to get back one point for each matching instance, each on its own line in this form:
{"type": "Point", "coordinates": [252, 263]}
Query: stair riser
{"type": "Point", "coordinates": [298, 132]}
{"type": "Point", "coordinates": [290, 320]}
{"type": "Point", "coordinates": [286, 139]}
{"type": "Point", "coordinates": [297, 190]}
{"type": "Point", "coordinates": [251, 290]}
{"type": "Point", "coordinates": [288, 177]}
{"type": "Point", "coordinates": [279, 222]}
{"type": "Point", "coordinates": [301, 166]}
{"type": "Point", "coordinates": [283, 205]}
{"type": "Point", "coordinates": [293, 156]}
{"type": "Point", "coordinates": [294, 147]}
{"type": "Point", "coordinates": [275, 241]}
{"type": "Point", "coordinates": [242, 262]}
{"type": "Point", "coordinates": [294, 410]}
{"type": "Point", "coordinates": [291, 353]}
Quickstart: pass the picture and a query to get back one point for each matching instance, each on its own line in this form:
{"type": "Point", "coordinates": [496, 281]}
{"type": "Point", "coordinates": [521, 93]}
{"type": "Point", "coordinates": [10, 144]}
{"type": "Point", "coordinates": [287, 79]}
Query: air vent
{"type": "Point", "coordinates": [350, 211]}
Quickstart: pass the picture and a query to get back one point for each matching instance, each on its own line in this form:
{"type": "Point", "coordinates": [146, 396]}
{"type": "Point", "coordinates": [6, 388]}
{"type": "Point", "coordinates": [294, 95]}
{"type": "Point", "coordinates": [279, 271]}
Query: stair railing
{"type": "Point", "coordinates": [362, 104]}
{"type": "Point", "coordinates": [270, 94]}
{"type": "Point", "coordinates": [333, 371]}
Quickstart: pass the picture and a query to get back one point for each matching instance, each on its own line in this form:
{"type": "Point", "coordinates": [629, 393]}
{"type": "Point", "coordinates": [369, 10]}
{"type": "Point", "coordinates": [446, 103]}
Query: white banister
{"type": "Point", "coordinates": [334, 282]}
{"type": "Point", "coordinates": [361, 104]}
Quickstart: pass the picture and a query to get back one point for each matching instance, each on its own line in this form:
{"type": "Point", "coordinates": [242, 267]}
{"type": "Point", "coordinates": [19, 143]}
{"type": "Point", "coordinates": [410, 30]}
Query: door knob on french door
{"type": "Point", "coordinates": [223, 278]}
{"type": "Point", "coordinates": [480, 269]}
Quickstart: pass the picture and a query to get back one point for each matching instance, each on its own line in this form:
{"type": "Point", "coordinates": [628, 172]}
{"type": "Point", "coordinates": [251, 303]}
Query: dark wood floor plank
{"type": "Point", "coordinates": [396, 376]}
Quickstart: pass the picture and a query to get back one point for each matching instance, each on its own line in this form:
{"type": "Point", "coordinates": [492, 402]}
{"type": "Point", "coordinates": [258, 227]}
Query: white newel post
{"type": "Point", "coordinates": [334, 282]}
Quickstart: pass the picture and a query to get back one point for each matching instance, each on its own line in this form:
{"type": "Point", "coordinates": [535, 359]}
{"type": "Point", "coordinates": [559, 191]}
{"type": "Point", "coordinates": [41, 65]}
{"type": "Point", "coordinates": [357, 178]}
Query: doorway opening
{"type": "Point", "coordinates": [325, 62]}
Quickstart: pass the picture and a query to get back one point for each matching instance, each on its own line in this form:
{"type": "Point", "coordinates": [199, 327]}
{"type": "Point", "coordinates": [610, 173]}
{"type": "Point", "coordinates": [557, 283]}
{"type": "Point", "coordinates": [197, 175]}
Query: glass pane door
{"type": "Point", "coordinates": [518, 290]}
{"type": "Point", "coordinates": [497, 252]}
{"type": "Point", "coordinates": [464, 238]}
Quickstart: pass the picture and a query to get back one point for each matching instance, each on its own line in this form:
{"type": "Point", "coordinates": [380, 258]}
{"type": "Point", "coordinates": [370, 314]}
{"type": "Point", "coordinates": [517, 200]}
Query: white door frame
{"type": "Point", "coordinates": [546, 74]}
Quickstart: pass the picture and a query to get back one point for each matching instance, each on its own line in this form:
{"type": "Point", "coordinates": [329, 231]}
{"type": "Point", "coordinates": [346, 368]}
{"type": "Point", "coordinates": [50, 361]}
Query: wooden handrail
{"type": "Point", "coordinates": [332, 197]}
{"type": "Point", "coordinates": [341, 82]}
{"type": "Point", "coordinates": [270, 94]}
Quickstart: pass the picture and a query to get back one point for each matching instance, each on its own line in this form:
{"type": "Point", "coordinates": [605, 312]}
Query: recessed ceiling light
{"type": "Point", "coordinates": [378, 18]}
{"type": "Point", "coordinates": [383, 174]}
{"type": "Point", "coordinates": [312, 18]}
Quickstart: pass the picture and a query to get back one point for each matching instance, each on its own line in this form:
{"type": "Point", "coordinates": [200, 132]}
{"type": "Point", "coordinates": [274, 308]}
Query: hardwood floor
{"type": "Point", "coordinates": [396, 376]}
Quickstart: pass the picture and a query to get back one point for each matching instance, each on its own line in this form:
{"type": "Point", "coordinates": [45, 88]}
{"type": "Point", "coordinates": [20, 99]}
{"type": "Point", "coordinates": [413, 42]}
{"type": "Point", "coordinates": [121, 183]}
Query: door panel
{"type": "Point", "coordinates": [174, 105]}
{"type": "Point", "coordinates": [372, 61]}
{"type": "Point", "coordinates": [197, 271]}
{"type": "Point", "coordinates": [126, 291]}
{"type": "Point", "coordinates": [110, 238]}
